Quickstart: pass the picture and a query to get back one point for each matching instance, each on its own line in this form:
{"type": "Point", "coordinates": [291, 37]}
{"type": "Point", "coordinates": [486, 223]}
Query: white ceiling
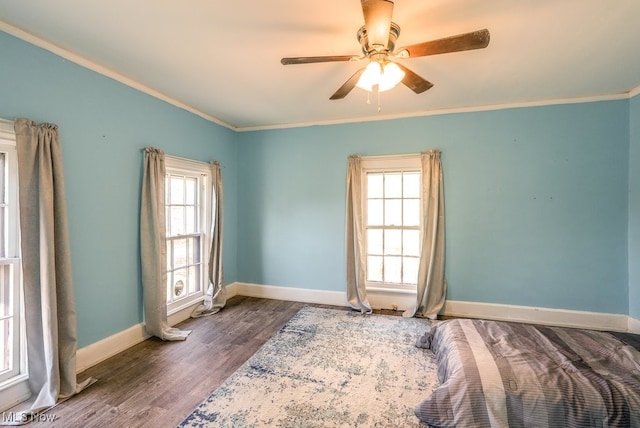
{"type": "Point", "coordinates": [221, 59]}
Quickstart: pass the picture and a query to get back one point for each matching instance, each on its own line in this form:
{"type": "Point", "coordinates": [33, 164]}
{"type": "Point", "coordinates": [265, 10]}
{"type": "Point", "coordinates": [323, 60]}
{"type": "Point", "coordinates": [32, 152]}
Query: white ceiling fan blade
{"type": "Point", "coordinates": [377, 20]}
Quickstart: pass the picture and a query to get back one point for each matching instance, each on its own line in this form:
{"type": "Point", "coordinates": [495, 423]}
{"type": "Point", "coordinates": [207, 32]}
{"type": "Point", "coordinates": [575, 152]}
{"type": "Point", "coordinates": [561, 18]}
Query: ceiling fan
{"type": "Point", "coordinates": [377, 38]}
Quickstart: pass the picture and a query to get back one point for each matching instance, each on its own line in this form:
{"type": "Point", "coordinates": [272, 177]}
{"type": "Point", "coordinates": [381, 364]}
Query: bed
{"type": "Point", "coordinates": [503, 374]}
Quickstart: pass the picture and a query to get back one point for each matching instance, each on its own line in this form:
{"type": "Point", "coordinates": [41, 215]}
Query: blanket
{"type": "Point", "coordinates": [504, 374]}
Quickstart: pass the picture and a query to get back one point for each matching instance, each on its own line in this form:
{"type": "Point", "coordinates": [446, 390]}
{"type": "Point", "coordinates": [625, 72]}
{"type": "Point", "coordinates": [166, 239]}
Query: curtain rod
{"type": "Point", "coordinates": [401, 155]}
{"type": "Point", "coordinates": [181, 158]}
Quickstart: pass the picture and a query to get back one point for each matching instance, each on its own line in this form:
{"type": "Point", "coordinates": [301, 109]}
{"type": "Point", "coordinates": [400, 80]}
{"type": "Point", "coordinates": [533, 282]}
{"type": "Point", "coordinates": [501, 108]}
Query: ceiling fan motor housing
{"type": "Point", "coordinates": [394, 32]}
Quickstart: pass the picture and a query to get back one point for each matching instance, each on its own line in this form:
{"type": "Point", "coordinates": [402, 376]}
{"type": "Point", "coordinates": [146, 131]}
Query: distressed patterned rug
{"type": "Point", "coordinates": [328, 368]}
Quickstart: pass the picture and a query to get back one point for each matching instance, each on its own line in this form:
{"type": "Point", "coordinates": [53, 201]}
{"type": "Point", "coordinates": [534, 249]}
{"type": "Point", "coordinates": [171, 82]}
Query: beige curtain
{"type": "Point", "coordinates": [432, 286]}
{"type": "Point", "coordinates": [153, 248]}
{"type": "Point", "coordinates": [216, 296]}
{"type": "Point", "coordinates": [50, 315]}
{"type": "Point", "coordinates": [355, 251]}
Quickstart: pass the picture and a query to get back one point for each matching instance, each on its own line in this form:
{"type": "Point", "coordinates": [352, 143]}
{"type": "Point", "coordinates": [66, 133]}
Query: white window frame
{"type": "Point", "coordinates": [202, 171]}
{"type": "Point", "coordinates": [387, 164]}
{"type": "Point", "coordinates": [14, 386]}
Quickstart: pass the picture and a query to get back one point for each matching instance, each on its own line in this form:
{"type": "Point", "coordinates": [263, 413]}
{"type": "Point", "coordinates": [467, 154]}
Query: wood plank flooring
{"type": "Point", "coordinates": [157, 384]}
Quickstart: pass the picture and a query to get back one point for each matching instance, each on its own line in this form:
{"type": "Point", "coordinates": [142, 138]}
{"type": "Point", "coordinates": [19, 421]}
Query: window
{"type": "Point", "coordinates": [13, 362]}
{"type": "Point", "coordinates": [393, 221]}
{"type": "Point", "coordinates": [188, 220]}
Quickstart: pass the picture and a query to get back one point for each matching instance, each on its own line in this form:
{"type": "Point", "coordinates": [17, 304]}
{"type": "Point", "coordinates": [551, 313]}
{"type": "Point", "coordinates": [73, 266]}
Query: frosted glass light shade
{"type": "Point", "coordinates": [385, 76]}
{"type": "Point", "coordinates": [370, 77]}
{"type": "Point", "coordinates": [390, 77]}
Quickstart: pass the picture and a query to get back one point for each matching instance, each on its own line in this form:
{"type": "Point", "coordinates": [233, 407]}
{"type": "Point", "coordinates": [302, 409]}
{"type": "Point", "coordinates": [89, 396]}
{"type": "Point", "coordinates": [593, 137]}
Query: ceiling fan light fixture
{"type": "Point", "coordinates": [377, 38]}
{"type": "Point", "coordinates": [370, 77]}
{"type": "Point", "coordinates": [390, 77]}
{"type": "Point", "coordinates": [386, 75]}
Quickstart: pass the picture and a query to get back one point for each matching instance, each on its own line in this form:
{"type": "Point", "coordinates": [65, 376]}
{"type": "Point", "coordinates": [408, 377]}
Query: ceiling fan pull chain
{"type": "Point", "coordinates": [378, 99]}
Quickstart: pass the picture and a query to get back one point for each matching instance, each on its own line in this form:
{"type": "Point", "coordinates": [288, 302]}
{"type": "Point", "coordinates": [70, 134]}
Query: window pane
{"type": "Point", "coordinates": [374, 268]}
{"type": "Point", "coordinates": [5, 290]}
{"type": "Point", "coordinates": [393, 269]}
{"type": "Point", "coordinates": [3, 236]}
{"type": "Point", "coordinates": [193, 244]}
{"type": "Point", "coordinates": [167, 216]}
{"type": "Point", "coordinates": [3, 200]}
{"type": "Point", "coordinates": [169, 254]}
{"type": "Point", "coordinates": [6, 356]}
{"type": "Point", "coordinates": [194, 279]}
{"type": "Point", "coordinates": [190, 220]}
{"type": "Point", "coordinates": [411, 212]}
{"type": "Point", "coordinates": [191, 191]}
{"type": "Point", "coordinates": [411, 243]}
{"type": "Point", "coordinates": [177, 190]}
{"type": "Point", "coordinates": [195, 250]}
{"type": "Point", "coordinates": [374, 241]}
{"type": "Point", "coordinates": [393, 242]}
{"type": "Point", "coordinates": [179, 253]}
{"type": "Point", "coordinates": [179, 284]}
{"type": "Point", "coordinates": [169, 286]}
{"type": "Point", "coordinates": [374, 185]}
{"type": "Point", "coordinates": [411, 185]}
{"type": "Point", "coordinates": [393, 212]}
{"type": "Point", "coordinates": [393, 185]}
{"type": "Point", "coordinates": [410, 270]}
{"type": "Point", "coordinates": [374, 212]}
{"type": "Point", "coordinates": [177, 221]}
{"type": "Point", "coordinates": [3, 184]}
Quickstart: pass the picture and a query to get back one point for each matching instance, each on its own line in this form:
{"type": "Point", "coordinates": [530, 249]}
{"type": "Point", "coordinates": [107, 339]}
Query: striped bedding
{"type": "Point", "coordinates": [503, 374]}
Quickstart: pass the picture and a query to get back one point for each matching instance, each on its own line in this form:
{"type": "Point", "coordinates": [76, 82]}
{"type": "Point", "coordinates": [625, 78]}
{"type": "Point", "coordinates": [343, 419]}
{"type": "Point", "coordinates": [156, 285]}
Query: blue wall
{"type": "Point", "coordinates": [104, 126]}
{"type": "Point", "coordinates": [634, 209]}
{"type": "Point", "coordinates": [536, 202]}
{"type": "Point", "coordinates": [536, 198]}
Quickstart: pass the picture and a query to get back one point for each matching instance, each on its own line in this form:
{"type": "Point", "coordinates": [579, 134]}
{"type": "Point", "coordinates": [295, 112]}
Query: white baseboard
{"type": "Point", "coordinates": [530, 314]}
{"type": "Point", "coordinates": [379, 299]}
{"type": "Point", "coordinates": [337, 298]}
{"type": "Point", "coordinates": [99, 351]}
{"type": "Point", "coordinates": [634, 325]}
{"type": "Point", "coordinates": [500, 312]}
{"type": "Point", "coordinates": [391, 299]}
{"type": "Point", "coordinates": [108, 347]}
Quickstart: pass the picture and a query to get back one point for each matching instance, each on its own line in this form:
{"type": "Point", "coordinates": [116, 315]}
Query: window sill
{"type": "Point", "coordinates": [14, 391]}
{"type": "Point", "coordinates": [182, 313]}
{"type": "Point", "coordinates": [186, 303]}
{"type": "Point", "coordinates": [391, 290]}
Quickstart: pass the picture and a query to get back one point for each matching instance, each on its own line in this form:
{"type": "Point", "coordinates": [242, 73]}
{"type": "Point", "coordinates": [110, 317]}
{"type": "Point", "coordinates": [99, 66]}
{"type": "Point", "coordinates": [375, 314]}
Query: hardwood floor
{"type": "Point", "coordinates": [157, 384]}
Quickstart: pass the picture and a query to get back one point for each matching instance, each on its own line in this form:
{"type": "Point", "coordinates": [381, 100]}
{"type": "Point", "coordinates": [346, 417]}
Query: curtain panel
{"type": "Point", "coordinates": [432, 286]}
{"type": "Point", "coordinates": [216, 296]}
{"type": "Point", "coordinates": [50, 314]}
{"type": "Point", "coordinates": [355, 250]}
{"type": "Point", "coordinates": [153, 248]}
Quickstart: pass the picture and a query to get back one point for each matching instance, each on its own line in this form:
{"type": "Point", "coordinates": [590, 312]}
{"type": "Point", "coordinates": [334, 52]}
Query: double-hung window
{"type": "Point", "coordinates": [188, 225]}
{"type": "Point", "coordinates": [392, 221]}
{"type": "Point", "coordinates": [13, 358]}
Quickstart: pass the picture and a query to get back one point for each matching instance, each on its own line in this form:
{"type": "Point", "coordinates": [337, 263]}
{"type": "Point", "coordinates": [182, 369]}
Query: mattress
{"type": "Point", "coordinates": [502, 374]}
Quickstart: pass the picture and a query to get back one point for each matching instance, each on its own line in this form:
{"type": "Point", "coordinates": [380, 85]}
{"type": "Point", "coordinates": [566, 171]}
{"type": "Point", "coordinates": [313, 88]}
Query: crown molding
{"type": "Point", "coordinates": [436, 112]}
{"type": "Point", "coordinates": [105, 71]}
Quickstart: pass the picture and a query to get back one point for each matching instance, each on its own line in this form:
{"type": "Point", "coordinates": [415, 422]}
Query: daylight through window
{"type": "Point", "coordinates": [187, 219]}
{"type": "Point", "coordinates": [393, 227]}
{"type": "Point", "coordinates": [13, 355]}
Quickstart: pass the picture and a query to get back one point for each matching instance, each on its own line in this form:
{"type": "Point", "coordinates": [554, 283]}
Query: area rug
{"type": "Point", "coordinates": [328, 368]}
